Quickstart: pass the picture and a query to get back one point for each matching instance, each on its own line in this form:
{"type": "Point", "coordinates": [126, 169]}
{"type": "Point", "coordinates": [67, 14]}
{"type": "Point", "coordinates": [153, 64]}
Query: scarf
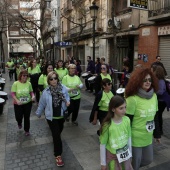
{"type": "Point", "coordinates": [143, 94]}
{"type": "Point", "coordinates": [57, 94]}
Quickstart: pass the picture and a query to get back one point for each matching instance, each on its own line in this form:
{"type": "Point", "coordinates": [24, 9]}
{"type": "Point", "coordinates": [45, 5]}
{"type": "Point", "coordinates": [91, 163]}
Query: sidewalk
{"type": "Point", "coordinates": [80, 144]}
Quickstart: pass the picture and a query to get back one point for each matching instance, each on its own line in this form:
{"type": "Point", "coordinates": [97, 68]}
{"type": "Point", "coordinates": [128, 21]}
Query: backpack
{"type": "Point", "coordinates": [167, 83]}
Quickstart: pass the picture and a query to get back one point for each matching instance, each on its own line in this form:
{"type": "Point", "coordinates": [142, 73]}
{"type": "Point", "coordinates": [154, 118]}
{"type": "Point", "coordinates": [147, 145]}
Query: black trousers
{"type": "Point", "coordinates": [11, 74]}
{"type": "Point", "coordinates": [36, 91]}
{"type": "Point", "coordinates": [56, 127]}
{"type": "Point", "coordinates": [159, 120]}
{"type": "Point", "coordinates": [74, 109]}
{"type": "Point", "coordinates": [23, 111]}
{"type": "Point", "coordinates": [101, 115]}
{"type": "Point", "coordinates": [89, 86]}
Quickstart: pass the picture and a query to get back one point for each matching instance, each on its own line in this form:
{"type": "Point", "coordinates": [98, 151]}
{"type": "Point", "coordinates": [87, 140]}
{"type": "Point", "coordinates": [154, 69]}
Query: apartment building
{"type": "Point", "coordinates": [22, 32]}
{"type": "Point", "coordinates": [141, 29]}
{"type": "Point", "coordinates": [52, 24]}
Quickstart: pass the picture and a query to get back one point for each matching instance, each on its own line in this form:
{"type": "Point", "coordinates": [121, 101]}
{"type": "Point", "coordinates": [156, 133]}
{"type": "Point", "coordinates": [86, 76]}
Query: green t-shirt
{"type": "Point", "coordinates": [104, 102]}
{"type": "Point", "coordinates": [115, 136]}
{"type": "Point", "coordinates": [107, 76]}
{"type": "Point", "coordinates": [143, 110]}
{"type": "Point", "coordinates": [34, 70]}
{"type": "Point", "coordinates": [72, 82]}
{"type": "Point", "coordinates": [43, 80]}
{"type": "Point", "coordinates": [10, 65]}
{"type": "Point", "coordinates": [22, 91]}
{"type": "Point", "coordinates": [61, 73]}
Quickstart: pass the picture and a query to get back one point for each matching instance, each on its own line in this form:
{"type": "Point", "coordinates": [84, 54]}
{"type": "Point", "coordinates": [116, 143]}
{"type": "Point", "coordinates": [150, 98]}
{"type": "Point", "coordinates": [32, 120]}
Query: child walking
{"type": "Point", "coordinates": [115, 138]}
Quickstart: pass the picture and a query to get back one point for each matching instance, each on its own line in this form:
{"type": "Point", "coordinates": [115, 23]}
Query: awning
{"type": "Point", "coordinates": [121, 34]}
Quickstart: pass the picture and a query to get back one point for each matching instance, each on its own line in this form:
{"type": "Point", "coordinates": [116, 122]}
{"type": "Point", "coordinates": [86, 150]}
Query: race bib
{"type": "Point", "coordinates": [24, 99]}
{"type": "Point", "coordinates": [150, 126]}
{"type": "Point", "coordinates": [123, 154]}
{"type": "Point", "coordinates": [74, 92]}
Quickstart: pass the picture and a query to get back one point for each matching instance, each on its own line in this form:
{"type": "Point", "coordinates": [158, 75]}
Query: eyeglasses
{"type": "Point", "coordinates": [147, 80]}
{"type": "Point", "coordinates": [159, 59]}
{"type": "Point", "coordinates": [54, 78]}
{"type": "Point", "coordinates": [102, 68]}
{"type": "Point", "coordinates": [109, 84]}
{"type": "Point", "coordinates": [25, 75]}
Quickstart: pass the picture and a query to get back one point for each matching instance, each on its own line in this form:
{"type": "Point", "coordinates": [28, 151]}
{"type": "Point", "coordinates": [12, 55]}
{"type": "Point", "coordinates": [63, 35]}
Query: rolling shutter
{"type": "Point", "coordinates": [164, 52]}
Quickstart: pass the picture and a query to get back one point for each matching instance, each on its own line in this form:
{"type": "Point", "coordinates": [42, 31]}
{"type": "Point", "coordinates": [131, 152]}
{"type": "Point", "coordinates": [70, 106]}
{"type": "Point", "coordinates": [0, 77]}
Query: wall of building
{"type": "Point", "coordinates": [148, 44]}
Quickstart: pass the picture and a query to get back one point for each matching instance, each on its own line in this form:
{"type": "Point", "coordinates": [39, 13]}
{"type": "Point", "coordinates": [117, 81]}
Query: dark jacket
{"type": "Point", "coordinates": [91, 67]}
{"type": "Point", "coordinates": [95, 105]}
{"type": "Point", "coordinates": [98, 68]}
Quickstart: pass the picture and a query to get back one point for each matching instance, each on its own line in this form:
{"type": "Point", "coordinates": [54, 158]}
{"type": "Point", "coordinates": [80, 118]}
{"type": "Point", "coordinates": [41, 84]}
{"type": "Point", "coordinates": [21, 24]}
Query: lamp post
{"type": "Point", "coordinates": [93, 14]}
{"type": "Point", "coordinates": [52, 33]}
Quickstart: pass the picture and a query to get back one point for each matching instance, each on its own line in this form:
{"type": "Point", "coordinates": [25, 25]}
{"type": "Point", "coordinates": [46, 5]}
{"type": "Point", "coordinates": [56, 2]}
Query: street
{"type": "Point", "coordinates": [80, 143]}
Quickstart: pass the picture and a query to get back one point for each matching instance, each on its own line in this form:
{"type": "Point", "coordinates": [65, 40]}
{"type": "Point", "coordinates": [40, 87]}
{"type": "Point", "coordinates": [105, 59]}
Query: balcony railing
{"type": "Point", "coordinates": [158, 10]}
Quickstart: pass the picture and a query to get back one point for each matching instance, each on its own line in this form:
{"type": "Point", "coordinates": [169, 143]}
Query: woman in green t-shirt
{"type": "Point", "coordinates": [61, 70]}
{"type": "Point", "coordinates": [10, 66]}
{"type": "Point", "coordinates": [115, 138]}
{"type": "Point", "coordinates": [104, 74]}
{"type": "Point", "coordinates": [141, 108]}
{"type": "Point", "coordinates": [74, 84]}
{"type": "Point", "coordinates": [42, 82]}
{"type": "Point", "coordinates": [101, 103]}
{"type": "Point", "coordinates": [23, 96]}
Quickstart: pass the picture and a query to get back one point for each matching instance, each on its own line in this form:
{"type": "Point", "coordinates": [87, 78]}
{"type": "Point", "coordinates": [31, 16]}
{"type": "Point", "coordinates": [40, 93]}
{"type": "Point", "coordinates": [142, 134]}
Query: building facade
{"type": "Point", "coordinates": [22, 32]}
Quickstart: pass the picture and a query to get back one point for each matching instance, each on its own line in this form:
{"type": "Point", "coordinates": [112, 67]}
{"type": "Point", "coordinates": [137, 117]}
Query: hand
{"type": "Point", "coordinates": [103, 167]}
{"type": "Point", "coordinates": [19, 102]}
{"type": "Point", "coordinates": [71, 89]}
{"type": "Point", "coordinates": [68, 104]}
{"type": "Point", "coordinates": [158, 140]}
{"type": "Point", "coordinates": [33, 98]}
{"type": "Point", "coordinates": [94, 121]}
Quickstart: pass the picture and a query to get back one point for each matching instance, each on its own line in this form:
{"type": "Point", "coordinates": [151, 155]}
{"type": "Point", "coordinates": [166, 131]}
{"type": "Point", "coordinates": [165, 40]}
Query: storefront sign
{"type": "Point", "coordinates": [165, 30]}
{"type": "Point", "coordinates": [63, 44]}
{"type": "Point", "coordinates": [139, 4]}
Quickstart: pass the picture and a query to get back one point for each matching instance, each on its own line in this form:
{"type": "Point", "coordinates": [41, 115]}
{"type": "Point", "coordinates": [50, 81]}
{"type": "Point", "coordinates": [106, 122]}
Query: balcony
{"type": "Point", "coordinates": [67, 7]}
{"type": "Point", "coordinates": [158, 10]}
{"type": "Point", "coordinates": [76, 2]}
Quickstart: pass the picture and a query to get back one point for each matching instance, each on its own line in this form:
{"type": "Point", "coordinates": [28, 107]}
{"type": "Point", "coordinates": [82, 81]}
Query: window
{"type": "Point", "coordinates": [121, 5]}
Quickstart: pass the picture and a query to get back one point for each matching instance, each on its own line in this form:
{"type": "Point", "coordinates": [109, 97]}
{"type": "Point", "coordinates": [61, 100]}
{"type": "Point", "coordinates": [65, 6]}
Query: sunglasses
{"type": "Point", "coordinates": [55, 78]}
{"type": "Point", "coordinates": [25, 75]}
{"type": "Point", "coordinates": [102, 68]}
{"type": "Point", "coordinates": [109, 84]}
{"type": "Point", "coordinates": [147, 80]}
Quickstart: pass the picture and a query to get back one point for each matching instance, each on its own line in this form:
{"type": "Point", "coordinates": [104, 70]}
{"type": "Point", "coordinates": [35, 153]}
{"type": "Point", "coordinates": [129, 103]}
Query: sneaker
{"type": "Point", "coordinates": [27, 133]}
{"type": "Point", "coordinates": [59, 161]}
{"type": "Point", "coordinates": [20, 126]}
{"type": "Point", "coordinates": [75, 123]}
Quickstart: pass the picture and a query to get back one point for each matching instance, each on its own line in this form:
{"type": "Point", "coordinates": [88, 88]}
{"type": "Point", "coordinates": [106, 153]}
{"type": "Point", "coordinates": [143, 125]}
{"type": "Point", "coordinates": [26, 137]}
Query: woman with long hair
{"type": "Point", "coordinates": [163, 100]}
{"type": "Point", "coordinates": [23, 95]}
{"type": "Point", "coordinates": [42, 82]}
{"type": "Point", "coordinates": [34, 73]}
{"type": "Point", "coordinates": [141, 108]}
{"type": "Point", "coordinates": [61, 70]}
{"type": "Point", "coordinates": [54, 100]}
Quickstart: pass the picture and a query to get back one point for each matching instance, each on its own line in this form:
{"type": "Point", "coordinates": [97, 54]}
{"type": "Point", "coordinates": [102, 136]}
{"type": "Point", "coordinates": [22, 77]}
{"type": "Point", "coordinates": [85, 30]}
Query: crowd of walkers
{"type": "Point", "coordinates": [128, 122]}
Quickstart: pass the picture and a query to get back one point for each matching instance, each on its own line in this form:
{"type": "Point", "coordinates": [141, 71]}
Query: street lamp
{"type": "Point", "coordinates": [52, 33]}
{"type": "Point", "coordinates": [93, 14]}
